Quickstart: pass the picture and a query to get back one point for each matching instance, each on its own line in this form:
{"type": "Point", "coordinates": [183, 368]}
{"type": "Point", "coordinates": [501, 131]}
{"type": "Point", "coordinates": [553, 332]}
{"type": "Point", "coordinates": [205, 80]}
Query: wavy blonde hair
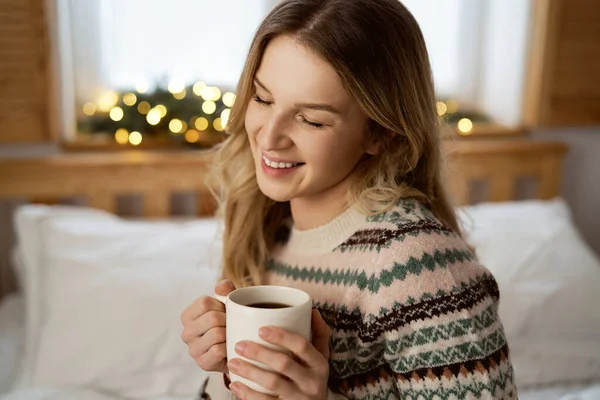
{"type": "Point", "coordinates": [378, 50]}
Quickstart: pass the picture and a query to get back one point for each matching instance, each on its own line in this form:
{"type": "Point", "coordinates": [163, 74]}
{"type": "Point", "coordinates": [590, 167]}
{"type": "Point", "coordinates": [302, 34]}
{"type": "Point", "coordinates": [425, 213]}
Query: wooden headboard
{"type": "Point", "coordinates": [498, 165]}
{"type": "Point", "coordinates": [477, 171]}
{"type": "Point", "coordinates": [504, 170]}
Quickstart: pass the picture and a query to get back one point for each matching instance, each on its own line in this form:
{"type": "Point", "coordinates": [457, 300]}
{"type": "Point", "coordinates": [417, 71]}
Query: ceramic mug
{"type": "Point", "coordinates": [249, 309]}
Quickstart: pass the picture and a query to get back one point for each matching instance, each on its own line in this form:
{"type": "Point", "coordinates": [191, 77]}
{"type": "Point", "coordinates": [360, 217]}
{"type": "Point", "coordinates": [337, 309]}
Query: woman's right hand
{"type": "Point", "coordinates": [204, 330]}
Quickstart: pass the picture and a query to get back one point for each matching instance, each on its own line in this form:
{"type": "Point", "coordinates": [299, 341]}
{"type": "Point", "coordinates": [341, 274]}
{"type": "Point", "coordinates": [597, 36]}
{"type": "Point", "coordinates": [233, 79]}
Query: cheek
{"type": "Point", "coordinates": [337, 153]}
{"type": "Point", "coordinates": [254, 120]}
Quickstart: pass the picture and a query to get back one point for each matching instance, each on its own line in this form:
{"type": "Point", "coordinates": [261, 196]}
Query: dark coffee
{"type": "Point", "coordinates": [268, 304]}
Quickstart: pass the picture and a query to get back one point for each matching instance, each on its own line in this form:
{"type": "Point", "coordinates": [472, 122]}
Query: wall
{"type": "Point", "coordinates": [581, 180]}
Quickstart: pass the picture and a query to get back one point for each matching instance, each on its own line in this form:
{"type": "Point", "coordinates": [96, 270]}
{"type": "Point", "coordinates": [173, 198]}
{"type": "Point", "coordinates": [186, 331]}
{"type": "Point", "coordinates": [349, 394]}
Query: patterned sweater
{"type": "Point", "coordinates": [413, 314]}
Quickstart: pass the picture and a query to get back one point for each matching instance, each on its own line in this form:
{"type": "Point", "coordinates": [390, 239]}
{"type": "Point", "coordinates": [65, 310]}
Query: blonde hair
{"type": "Point", "coordinates": [378, 50]}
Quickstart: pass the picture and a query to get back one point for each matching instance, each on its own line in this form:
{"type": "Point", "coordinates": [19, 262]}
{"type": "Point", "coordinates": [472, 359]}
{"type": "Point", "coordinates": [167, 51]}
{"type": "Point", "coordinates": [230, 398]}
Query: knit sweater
{"type": "Point", "coordinates": [413, 314]}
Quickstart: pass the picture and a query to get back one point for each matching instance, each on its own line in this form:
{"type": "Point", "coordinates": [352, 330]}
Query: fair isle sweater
{"type": "Point", "coordinates": [413, 314]}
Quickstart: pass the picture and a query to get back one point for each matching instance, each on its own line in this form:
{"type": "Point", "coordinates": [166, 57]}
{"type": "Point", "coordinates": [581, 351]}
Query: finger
{"type": "Point", "coordinates": [213, 337]}
{"type": "Point", "coordinates": [278, 361]}
{"type": "Point", "coordinates": [224, 287]}
{"type": "Point", "coordinates": [215, 359]}
{"type": "Point", "coordinates": [321, 334]}
{"type": "Point", "coordinates": [269, 380]}
{"type": "Point", "coordinates": [201, 306]}
{"type": "Point", "coordinates": [297, 344]}
{"type": "Point", "coordinates": [204, 323]}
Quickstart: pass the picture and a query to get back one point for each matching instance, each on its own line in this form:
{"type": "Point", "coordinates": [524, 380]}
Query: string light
{"type": "Point", "coordinates": [465, 126]}
{"type": "Point", "coordinates": [229, 99]}
{"type": "Point", "coordinates": [192, 136]}
{"type": "Point", "coordinates": [162, 109]}
{"type": "Point", "coordinates": [180, 95]}
{"type": "Point", "coordinates": [89, 109]}
{"type": "Point", "coordinates": [129, 99]}
{"type": "Point", "coordinates": [201, 123]}
{"type": "Point", "coordinates": [197, 88]}
{"type": "Point", "coordinates": [135, 138]}
{"type": "Point", "coordinates": [225, 116]}
{"type": "Point", "coordinates": [141, 87]}
{"type": "Point", "coordinates": [122, 136]}
{"type": "Point", "coordinates": [107, 100]}
{"type": "Point", "coordinates": [144, 107]}
{"type": "Point", "coordinates": [218, 125]}
{"type": "Point", "coordinates": [442, 108]}
{"type": "Point", "coordinates": [209, 107]}
{"type": "Point", "coordinates": [176, 86]}
{"type": "Point", "coordinates": [153, 117]}
{"type": "Point", "coordinates": [176, 125]}
{"type": "Point", "coordinates": [116, 113]}
{"type": "Point", "coordinates": [211, 93]}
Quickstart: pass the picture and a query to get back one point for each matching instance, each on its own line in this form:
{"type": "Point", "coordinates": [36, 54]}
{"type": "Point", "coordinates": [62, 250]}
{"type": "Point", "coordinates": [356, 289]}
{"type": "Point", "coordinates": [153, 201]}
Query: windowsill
{"type": "Point", "coordinates": [83, 144]}
{"type": "Point", "coordinates": [483, 130]}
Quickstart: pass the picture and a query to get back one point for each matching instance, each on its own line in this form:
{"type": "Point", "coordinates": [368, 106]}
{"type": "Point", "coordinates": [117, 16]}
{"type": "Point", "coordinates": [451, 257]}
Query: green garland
{"type": "Point", "coordinates": [188, 108]}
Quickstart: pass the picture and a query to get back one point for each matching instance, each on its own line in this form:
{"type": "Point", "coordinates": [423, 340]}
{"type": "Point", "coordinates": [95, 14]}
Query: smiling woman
{"type": "Point", "coordinates": [330, 182]}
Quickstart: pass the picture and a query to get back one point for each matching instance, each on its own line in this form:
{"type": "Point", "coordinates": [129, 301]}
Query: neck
{"type": "Point", "coordinates": [321, 208]}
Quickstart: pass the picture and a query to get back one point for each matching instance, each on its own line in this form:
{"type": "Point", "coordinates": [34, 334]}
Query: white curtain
{"type": "Point", "coordinates": [478, 51]}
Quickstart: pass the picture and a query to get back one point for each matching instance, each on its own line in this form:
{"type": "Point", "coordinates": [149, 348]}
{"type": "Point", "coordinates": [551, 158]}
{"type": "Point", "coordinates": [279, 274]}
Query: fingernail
{"type": "Point", "coordinates": [240, 347]}
{"type": "Point", "coordinates": [236, 388]}
{"type": "Point", "coordinates": [234, 364]}
{"type": "Point", "coordinates": [265, 332]}
{"type": "Point", "coordinates": [222, 281]}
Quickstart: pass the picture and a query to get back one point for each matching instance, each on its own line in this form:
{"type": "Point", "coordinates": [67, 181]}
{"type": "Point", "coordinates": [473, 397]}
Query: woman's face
{"type": "Point", "coordinates": [307, 133]}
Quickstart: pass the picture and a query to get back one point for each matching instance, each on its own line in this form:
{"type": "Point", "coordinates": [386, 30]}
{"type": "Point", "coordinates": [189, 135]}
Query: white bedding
{"type": "Point", "coordinates": [84, 270]}
{"type": "Point", "coordinates": [12, 321]}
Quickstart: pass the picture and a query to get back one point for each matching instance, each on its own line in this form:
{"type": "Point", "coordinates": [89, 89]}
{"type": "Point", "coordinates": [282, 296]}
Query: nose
{"type": "Point", "coordinates": [274, 134]}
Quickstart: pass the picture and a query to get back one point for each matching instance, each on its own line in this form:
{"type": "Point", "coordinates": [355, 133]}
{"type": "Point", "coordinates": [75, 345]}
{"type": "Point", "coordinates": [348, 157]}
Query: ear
{"type": "Point", "coordinates": [374, 141]}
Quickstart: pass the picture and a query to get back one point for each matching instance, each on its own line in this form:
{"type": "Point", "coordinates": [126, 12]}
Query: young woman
{"type": "Point", "coordinates": [330, 182]}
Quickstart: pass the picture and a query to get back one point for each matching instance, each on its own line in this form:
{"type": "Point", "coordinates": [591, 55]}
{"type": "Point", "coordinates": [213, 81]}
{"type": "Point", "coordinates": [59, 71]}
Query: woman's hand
{"type": "Point", "coordinates": [301, 376]}
{"type": "Point", "coordinates": [204, 330]}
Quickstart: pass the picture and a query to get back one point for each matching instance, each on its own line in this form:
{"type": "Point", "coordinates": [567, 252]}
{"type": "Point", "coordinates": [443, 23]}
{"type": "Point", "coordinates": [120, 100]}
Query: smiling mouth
{"type": "Point", "coordinates": [280, 165]}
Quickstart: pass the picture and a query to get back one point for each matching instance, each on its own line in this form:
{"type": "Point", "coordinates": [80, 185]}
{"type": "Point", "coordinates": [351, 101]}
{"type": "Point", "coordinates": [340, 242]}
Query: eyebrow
{"type": "Point", "coordinates": [312, 106]}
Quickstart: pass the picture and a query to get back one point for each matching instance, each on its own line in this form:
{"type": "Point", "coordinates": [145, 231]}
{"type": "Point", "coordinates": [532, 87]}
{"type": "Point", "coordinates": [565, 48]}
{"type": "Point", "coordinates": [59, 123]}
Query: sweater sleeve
{"type": "Point", "coordinates": [425, 326]}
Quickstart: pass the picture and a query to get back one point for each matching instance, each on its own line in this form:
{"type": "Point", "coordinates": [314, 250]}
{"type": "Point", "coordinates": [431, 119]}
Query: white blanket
{"type": "Point", "coordinates": [66, 394]}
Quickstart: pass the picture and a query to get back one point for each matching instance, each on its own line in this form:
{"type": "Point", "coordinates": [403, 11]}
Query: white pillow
{"type": "Point", "coordinates": [110, 295]}
{"type": "Point", "coordinates": [549, 283]}
{"type": "Point", "coordinates": [28, 264]}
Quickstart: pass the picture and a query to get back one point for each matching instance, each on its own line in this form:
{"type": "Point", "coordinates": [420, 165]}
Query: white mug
{"type": "Point", "coordinates": [244, 321]}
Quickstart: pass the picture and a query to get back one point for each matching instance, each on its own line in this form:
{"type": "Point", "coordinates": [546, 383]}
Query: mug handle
{"type": "Point", "coordinates": [222, 299]}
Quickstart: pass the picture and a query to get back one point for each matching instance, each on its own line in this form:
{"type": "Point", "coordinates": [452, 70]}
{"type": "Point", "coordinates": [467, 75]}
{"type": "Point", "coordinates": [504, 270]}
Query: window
{"type": "Point", "coordinates": [109, 48]}
{"type": "Point", "coordinates": [478, 52]}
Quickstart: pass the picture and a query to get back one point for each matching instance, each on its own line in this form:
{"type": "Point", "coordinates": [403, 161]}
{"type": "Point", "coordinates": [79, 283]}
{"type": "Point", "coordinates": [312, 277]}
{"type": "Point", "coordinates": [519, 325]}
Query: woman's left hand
{"type": "Point", "coordinates": [304, 379]}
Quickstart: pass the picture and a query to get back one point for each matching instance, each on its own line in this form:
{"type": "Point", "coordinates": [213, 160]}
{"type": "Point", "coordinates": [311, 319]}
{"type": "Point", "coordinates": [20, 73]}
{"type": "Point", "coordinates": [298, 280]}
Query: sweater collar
{"type": "Point", "coordinates": [325, 238]}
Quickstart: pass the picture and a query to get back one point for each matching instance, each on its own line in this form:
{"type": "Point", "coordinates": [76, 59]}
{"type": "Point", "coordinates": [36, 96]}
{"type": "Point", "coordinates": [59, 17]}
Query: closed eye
{"type": "Point", "coordinates": [261, 101]}
{"type": "Point", "coordinates": [312, 124]}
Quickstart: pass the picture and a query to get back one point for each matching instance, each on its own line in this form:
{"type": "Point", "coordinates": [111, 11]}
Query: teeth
{"type": "Point", "coordinates": [276, 165]}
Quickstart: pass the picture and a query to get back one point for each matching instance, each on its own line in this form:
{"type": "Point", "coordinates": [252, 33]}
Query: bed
{"type": "Point", "coordinates": [111, 247]}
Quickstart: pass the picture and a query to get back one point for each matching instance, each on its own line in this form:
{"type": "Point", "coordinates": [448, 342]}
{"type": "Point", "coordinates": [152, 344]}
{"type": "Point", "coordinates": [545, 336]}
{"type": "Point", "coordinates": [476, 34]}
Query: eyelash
{"type": "Point", "coordinates": [304, 120]}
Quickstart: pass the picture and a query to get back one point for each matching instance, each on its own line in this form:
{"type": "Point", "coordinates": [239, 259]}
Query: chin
{"type": "Point", "coordinates": [274, 191]}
